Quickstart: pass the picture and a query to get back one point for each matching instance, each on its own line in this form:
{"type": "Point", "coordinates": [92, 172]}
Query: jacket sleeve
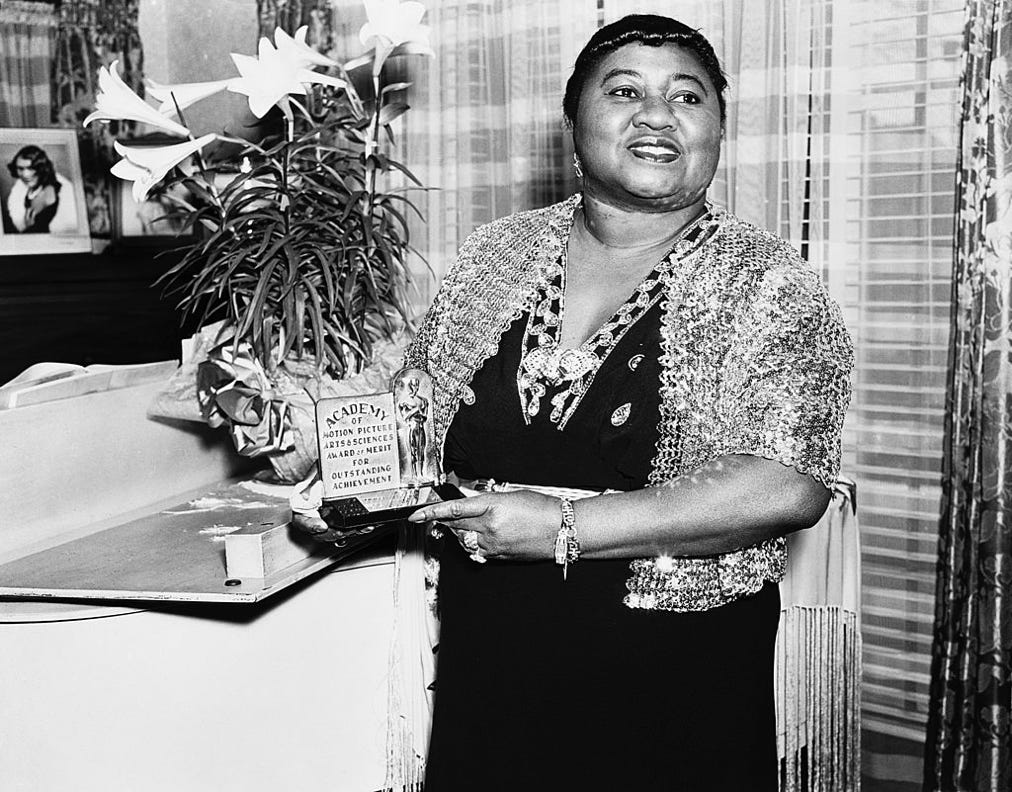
{"type": "Point", "coordinates": [786, 384]}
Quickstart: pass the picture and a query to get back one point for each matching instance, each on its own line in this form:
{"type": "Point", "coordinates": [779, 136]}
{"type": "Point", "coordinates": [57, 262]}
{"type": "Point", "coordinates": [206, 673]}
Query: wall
{"type": "Point", "coordinates": [191, 41]}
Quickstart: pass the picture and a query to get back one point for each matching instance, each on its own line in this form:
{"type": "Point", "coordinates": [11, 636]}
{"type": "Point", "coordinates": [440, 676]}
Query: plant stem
{"type": "Point", "coordinates": [267, 338]}
{"type": "Point", "coordinates": [201, 165]}
{"type": "Point", "coordinates": [373, 146]}
{"type": "Point", "coordinates": [286, 164]}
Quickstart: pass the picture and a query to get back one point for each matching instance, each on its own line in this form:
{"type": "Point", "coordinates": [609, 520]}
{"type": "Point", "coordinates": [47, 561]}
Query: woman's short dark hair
{"type": "Point", "coordinates": [40, 163]}
{"type": "Point", "coordinates": [648, 29]}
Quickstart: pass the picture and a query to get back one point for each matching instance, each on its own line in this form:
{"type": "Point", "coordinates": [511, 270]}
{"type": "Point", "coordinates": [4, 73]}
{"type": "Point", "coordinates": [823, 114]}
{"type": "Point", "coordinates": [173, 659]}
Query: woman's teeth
{"type": "Point", "coordinates": [652, 152]}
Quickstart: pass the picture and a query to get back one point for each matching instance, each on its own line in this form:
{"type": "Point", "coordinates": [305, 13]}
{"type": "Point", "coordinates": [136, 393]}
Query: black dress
{"type": "Point", "coordinates": [550, 685]}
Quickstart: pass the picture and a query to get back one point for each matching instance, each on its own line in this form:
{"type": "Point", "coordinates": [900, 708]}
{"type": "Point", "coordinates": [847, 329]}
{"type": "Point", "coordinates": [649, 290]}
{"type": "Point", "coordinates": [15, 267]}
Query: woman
{"type": "Point", "coordinates": [634, 341]}
{"type": "Point", "coordinates": [41, 200]}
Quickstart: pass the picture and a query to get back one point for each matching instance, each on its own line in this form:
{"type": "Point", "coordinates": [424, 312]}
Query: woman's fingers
{"type": "Point", "coordinates": [319, 530]}
{"type": "Point", "coordinates": [511, 525]}
{"type": "Point", "coordinates": [309, 523]}
{"type": "Point", "coordinates": [459, 509]}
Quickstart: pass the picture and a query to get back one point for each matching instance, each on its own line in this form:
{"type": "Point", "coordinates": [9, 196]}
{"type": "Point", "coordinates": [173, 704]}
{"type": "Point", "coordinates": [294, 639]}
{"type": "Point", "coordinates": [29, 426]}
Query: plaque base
{"type": "Point", "coordinates": [383, 506]}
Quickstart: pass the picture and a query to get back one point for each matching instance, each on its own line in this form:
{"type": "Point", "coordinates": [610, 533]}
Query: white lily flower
{"type": "Point", "coordinates": [391, 24]}
{"type": "Point", "coordinates": [272, 76]}
{"type": "Point", "coordinates": [183, 94]}
{"type": "Point", "coordinates": [298, 51]}
{"type": "Point", "coordinates": [145, 166]}
{"type": "Point", "coordinates": [116, 102]}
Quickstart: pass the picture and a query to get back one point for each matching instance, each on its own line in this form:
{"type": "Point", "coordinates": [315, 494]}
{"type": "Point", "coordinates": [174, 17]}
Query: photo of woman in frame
{"type": "Point", "coordinates": [42, 201]}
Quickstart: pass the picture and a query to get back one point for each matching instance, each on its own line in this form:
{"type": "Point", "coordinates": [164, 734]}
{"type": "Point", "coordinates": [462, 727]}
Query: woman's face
{"type": "Point", "coordinates": [26, 172]}
{"type": "Point", "coordinates": [648, 129]}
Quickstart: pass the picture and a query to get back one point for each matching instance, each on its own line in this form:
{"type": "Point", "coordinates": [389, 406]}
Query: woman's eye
{"type": "Point", "coordinates": [624, 91]}
{"type": "Point", "coordinates": [686, 97]}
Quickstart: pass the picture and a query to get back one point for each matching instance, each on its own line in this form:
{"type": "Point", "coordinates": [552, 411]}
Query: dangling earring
{"type": "Point", "coordinates": [576, 166]}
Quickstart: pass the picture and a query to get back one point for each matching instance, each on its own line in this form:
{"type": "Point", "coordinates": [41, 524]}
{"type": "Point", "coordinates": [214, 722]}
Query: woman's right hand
{"type": "Point", "coordinates": [507, 526]}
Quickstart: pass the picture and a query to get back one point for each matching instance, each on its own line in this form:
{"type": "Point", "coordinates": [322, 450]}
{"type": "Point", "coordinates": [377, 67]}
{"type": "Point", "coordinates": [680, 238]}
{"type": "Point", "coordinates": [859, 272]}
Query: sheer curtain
{"type": "Point", "coordinates": [27, 30]}
{"type": "Point", "coordinates": [485, 132]}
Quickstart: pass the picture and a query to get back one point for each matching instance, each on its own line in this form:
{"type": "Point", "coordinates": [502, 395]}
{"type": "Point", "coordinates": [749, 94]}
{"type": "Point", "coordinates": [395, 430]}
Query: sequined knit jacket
{"type": "Point", "coordinates": [755, 360]}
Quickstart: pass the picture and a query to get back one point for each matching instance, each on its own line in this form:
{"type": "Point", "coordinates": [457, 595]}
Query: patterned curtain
{"type": "Point", "coordinates": [969, 745]}
{"type": "Point", "coordinates": [27, 32]}
{"type": "Point", "coordinates": [290, 15]}
{"type": "Point", "coordinates": [93, 33]}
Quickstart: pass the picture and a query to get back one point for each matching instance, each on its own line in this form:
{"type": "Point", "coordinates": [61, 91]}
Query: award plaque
{"type": "Point", "coordinates": [358, 444]}
{"type": "Point", "coordinates": [378, 460]}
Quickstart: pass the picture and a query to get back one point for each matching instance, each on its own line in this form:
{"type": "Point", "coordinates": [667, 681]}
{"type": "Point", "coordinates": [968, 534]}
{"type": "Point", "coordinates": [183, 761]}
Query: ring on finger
{"type": "Point", "coordinates": [470, 541]}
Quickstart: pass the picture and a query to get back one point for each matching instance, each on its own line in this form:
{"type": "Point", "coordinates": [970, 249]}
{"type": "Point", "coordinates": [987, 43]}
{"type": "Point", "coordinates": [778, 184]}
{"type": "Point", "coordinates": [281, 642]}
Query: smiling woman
{"type": "Point", "coordinates": [647, 127]}
{"type": "Point", "coordinates": [668, 384]}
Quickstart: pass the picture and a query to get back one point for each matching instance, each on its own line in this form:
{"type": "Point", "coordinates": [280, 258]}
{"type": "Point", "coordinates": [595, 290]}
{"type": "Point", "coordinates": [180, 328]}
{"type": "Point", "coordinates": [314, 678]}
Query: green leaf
{"type": "Point", "coordinates": [398, 86]}
{"type": "Point", "coordinates": [403, 169]}
{"type": "Point", "coordinates": [247, 319]}
{"type": "Point", "coordinates": [389, 112]}
{"type": "Point", "coordinates": [359, 62]}
{"type": "Point", "coordinates": [300, 322]}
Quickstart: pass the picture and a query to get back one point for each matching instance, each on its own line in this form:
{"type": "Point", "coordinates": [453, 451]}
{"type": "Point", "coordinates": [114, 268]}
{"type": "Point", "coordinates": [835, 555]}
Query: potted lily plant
{"type": "Point", "coordinates": [298, 264]}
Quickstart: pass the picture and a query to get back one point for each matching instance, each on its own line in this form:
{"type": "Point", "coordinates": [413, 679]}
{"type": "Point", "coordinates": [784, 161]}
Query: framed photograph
{"type": "Point", "coordinates": [147, 223]}
{"type": "Point", "coordinates": [150, 222]}
{"type": "Point", "coordinates": [41, 193]}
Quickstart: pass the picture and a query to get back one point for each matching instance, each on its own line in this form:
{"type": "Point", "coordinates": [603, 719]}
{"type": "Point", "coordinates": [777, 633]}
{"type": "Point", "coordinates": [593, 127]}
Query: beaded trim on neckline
{"type": "Point", "coordinates": [545, 365]}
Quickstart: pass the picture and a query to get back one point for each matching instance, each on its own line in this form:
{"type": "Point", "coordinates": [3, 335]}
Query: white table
{"type": "Point", "coordinates": [289, 694]}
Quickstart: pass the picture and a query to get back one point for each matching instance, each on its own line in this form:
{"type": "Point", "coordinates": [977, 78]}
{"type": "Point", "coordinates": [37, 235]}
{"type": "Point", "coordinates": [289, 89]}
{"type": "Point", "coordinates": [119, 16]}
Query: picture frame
{"type": "Point", "coordinates": [37, 216]}
{"type": "Point", "coordinates": [146, 223]}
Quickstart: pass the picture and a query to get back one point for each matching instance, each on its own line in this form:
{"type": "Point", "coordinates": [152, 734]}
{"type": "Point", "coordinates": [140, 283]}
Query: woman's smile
{"type": "Point", "coordinates": [654, 149]}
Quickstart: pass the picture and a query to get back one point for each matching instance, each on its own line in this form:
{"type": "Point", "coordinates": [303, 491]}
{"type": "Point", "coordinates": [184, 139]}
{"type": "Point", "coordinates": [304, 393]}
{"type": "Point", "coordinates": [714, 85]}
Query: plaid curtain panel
{"type": "Point", "coordinates": [28, 31]}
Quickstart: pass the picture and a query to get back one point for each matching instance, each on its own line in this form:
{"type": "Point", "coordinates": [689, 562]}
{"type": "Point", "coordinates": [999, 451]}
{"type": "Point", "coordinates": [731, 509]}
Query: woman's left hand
{"type": "Point", "coordinates": [513, 526]}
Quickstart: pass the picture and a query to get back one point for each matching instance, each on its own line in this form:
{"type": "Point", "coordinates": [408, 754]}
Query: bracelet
{"type": "Point", "coordinates": [567, 546]}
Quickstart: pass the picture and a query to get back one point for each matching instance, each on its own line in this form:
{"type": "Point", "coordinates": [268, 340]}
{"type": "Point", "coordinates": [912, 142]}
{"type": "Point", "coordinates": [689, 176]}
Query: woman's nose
{"type": "Point", "coordinates": [654, 112]}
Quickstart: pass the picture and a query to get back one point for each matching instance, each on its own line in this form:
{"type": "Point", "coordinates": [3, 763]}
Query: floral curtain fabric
{"type": "Point", "coordinates": [27, 30]}
{"type": "Point", "coordinates": [90, 34]}
{"type": "Point", "coordinates": [290, 15]}
{"type": "Point", "coordinates": [969, 743]}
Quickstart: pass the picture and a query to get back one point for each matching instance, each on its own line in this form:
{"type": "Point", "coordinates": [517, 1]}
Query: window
{"type": "Point", "coordinates": [892, 274]}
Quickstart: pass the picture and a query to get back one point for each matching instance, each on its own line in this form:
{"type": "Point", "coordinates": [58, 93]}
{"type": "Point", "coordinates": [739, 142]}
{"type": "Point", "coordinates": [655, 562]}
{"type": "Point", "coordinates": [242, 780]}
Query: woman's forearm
{"type": "Point", "coordinates": [733, 502]}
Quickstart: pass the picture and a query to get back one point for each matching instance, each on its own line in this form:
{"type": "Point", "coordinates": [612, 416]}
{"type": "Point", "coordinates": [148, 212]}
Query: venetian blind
{"type": "Point", "coordinates": [892, 271]}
